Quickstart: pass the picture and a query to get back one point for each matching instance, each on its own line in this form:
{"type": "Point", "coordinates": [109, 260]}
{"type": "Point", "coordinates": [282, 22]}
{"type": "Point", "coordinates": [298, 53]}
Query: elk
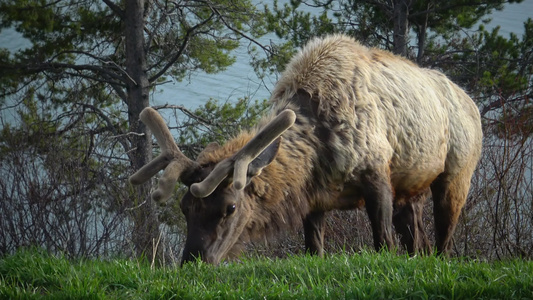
{"type": "Point", "coordinates": [349, 127]}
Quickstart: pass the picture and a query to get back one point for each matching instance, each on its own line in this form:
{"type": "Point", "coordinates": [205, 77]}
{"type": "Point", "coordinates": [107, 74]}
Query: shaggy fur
{"type": "Point", "coordinates": [372, 129]}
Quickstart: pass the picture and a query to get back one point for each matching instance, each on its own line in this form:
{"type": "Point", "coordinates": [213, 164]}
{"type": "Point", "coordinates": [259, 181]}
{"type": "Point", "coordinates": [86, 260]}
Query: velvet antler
{"type": "Point", "coordinates": [239, 161]}
{"type": "Point", "coordinates": [176, 163]}
{"type": "Point", "coordinates": [171, 158]}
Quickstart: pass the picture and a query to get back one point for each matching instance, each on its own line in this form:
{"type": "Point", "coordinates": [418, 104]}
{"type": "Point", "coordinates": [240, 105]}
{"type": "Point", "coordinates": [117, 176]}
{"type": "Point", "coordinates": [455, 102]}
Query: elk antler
{"type": "Point", "coordinates": [239, 161]}
{"type": "Point", "coordinates": [171, 158]}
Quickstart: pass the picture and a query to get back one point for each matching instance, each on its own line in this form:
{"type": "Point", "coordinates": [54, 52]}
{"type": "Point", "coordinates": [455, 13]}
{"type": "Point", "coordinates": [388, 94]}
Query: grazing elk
{"type": "Point", "coordinates": [349, 127]}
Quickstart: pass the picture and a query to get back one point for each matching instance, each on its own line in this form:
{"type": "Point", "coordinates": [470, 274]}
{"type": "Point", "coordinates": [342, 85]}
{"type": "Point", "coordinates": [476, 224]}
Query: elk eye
{"type": "Point", "coordinates": [230, 209]}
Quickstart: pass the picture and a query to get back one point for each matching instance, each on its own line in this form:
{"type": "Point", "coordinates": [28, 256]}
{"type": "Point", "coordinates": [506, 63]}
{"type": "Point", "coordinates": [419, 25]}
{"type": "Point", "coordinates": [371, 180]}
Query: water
{"type": "Point", "coordinates": [512, 18]}
{"type": "Point", "coordinates": [239, 80]}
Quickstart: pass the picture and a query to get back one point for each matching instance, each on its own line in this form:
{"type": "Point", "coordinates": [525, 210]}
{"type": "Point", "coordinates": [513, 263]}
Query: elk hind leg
{"type": "Point", "coordinates": [449, 197]}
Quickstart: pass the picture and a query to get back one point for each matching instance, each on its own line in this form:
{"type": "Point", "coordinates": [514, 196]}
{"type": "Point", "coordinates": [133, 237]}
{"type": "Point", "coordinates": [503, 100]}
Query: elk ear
{"type": "Point", "coordinates": [264, 159]}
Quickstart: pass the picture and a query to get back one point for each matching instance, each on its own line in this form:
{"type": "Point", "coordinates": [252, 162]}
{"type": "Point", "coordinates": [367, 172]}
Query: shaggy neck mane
{"type": "Point", "coordinates": [278, 195]}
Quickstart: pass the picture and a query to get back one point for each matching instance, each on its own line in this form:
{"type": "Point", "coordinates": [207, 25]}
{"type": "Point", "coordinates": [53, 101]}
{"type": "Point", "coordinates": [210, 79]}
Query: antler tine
{"type": "Point", "coordinates": [240, 161]}
{"type": "Point", "coordinates": [171, 158]}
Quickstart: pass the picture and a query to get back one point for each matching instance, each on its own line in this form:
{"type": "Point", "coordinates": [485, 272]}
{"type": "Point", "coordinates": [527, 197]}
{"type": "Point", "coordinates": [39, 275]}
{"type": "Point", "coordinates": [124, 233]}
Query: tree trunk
{"type": "Point", "coordinates": [401, 26]}
{"type": "Point", "coordinates": [422, 32]}
{"type": "Point", "coordinates": [146, 225]}
{"type": "Point", "coordinates": [421, 43]}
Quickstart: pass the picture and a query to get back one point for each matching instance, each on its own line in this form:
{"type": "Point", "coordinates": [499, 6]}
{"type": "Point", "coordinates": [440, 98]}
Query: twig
{"type": "Point", "coordinates": [136, 207]}
{"type": "Point", "coordinates": [155, 247]}
{"type": "Point", "coordinates": [126, 134]}
{"type": "Point", "coordinates": [185, 111]}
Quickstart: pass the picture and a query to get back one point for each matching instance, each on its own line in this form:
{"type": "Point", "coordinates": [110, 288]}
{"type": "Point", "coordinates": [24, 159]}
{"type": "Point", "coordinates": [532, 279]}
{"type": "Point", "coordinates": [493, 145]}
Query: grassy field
{"type": "Point", "coordinates": [33, 274]}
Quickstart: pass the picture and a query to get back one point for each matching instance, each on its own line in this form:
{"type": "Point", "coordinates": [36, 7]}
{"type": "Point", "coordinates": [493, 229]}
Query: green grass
{"type": "Point", "coordinates": [32, 274]}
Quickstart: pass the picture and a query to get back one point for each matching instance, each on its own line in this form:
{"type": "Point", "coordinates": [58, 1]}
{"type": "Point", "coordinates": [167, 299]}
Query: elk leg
{"type": "Point", "coordinates": [449, 196]}
{"type": "Point", "coordinates": [314, 233]}
{"type": "Point", "coordinates": [377, 192]}
{"type": "Point", "coordinates": [422, 244]}
{"type": "Point", "coordinates": [404, 223]}
{"type": "Point", "coordinates": [409, 224]}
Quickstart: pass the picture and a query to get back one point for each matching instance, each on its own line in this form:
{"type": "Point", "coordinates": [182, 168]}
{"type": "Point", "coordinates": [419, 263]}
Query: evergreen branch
{"type": "Point", "coordinates": [181, 50]}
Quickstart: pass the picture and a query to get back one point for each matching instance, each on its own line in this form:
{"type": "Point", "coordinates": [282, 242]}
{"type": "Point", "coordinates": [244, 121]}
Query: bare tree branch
{"type": "Point", "coordinates": [115, 8]}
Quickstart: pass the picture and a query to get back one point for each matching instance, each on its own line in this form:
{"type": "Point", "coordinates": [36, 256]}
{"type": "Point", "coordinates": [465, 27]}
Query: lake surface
{"type": "Point", "coordinates": [239, 80]}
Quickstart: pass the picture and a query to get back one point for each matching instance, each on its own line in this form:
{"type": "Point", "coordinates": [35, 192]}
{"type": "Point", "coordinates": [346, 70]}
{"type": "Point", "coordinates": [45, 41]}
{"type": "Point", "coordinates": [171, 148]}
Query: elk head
{"type": "Point", "coordinates": [214, 206]}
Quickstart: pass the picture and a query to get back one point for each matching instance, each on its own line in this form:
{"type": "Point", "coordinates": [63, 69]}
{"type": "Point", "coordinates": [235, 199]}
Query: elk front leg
{"type": "Point", "coordinates": [314, 233]}
{"type": "Point", "coordinates": [377, 192]}
{"type": "Point", "coordinates": [409, 224]}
